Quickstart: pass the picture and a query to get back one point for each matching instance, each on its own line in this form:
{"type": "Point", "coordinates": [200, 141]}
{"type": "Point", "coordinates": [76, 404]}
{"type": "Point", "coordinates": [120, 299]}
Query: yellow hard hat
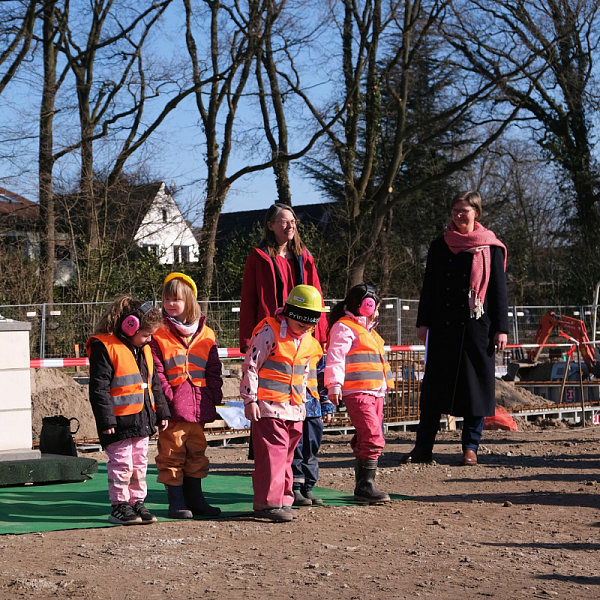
{"type": "Point", "coordinates": [183, 277]}
{"type": "Point", "coordinates": [305, 304]}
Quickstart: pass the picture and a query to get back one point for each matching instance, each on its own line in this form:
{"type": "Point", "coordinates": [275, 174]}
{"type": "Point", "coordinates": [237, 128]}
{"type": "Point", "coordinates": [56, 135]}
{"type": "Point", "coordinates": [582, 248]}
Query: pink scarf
{"type": "Point", "coordinates": [477, 242]}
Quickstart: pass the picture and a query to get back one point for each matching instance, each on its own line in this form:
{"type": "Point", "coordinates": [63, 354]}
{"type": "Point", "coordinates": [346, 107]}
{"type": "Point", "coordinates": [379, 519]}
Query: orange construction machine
{"type": "Point", "coordinates": [576, 330]}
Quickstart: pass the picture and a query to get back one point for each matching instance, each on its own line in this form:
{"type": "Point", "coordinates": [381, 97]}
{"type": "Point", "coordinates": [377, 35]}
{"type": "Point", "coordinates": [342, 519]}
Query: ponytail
{"type": "Point", "coordinates": [351, 303]}
{"type": "Point", "coordinates": [335, 314]}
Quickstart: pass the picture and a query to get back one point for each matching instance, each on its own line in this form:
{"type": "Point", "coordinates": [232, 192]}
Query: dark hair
{"type": "Point", "coordinates": [473, 198]}
{"type": "Point", "coordinates": [296, 245]}
{"type": "Point", "coordinates": [121, 308]}
{"type": "Point", "coordinates": [352, 302]}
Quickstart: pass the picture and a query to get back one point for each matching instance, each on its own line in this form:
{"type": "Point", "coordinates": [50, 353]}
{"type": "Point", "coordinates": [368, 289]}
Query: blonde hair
{"type": "Point", "coordinates": [473, 198]}
{"type": "Point", "coordinates": [177, 288]}
{"type": "Point", "coordinates": [295, 245]}
{"type": "Point", "coordinates": [122, 307]}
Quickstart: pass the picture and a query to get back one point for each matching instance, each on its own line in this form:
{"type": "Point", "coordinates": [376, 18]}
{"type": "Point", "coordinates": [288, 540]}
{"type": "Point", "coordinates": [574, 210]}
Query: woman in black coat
{"type": "Point", "coordinates": [463, 319]}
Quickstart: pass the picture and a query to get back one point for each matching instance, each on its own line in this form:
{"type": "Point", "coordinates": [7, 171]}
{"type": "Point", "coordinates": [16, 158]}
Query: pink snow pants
{"type": "Point", "coordinates": [366, 413]}
{"type": "Point", "coordinates": [127, 464]}
{"type": "Point", "coordinates": [274, 442]}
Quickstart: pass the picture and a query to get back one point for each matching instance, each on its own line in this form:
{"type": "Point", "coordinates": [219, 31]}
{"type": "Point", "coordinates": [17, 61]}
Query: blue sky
{"type": "Point", "coordinates": [175, 152]}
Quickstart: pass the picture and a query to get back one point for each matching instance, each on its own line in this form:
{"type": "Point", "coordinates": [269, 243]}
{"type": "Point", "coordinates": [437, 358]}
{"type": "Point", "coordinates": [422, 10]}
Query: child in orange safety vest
{"type": "Point", "coordinates": [127, 402]}
{"type": "Point", "coordinates": [357, 371]}
{"type": "Point", "coordinates": [273, 387]}
{"type": "Point", "coordinates": [187, 361]}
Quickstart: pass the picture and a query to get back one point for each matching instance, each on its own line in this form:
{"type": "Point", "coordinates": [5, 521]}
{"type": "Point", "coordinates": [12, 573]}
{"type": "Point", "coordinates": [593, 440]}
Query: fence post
{"type": "Point", "coordinates": [399, 321]}
{"type": "Point", "coordinates": [515, 325]}
{"type": "Point", "coordinates": [43, 333]}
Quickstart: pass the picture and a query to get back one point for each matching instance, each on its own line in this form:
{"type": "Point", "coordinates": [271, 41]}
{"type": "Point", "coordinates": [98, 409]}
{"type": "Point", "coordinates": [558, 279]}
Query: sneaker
{"type": "Point", "coordinates": [123, 514]}
{"type": "Point", "coordinates": [274, 514]}
{"type": "Point", "coordinates": [143, 512]}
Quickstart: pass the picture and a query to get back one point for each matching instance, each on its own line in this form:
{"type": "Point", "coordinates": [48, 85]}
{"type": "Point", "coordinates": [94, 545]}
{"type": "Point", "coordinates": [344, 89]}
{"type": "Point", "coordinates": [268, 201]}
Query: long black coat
{"type": "Point", "coordinates": [459, 375]}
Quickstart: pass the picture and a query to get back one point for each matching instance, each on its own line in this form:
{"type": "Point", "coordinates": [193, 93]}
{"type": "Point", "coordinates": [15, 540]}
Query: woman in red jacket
{"type": "Point", "coordinates": [278, 264]}
{"type": "Point", "coordinates": [272, 270]}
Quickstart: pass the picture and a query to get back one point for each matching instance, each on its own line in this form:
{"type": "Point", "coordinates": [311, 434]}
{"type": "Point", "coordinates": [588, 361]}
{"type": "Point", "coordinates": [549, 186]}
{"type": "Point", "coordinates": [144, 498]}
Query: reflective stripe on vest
{"type": "Point", "coordinates": [312, 384]}
{"type": "Point", "coordinates": [366, 365]}
{"type": "Point", "coordinates": [281, 377]}
{"type": "Point", "coordinates": [127, 388]}
{"type": "Point", "coordinates": [182, 363]}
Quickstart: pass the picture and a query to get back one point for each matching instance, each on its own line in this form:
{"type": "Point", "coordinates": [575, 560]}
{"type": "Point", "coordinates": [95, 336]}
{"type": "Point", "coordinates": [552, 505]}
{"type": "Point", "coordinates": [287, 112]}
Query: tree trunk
{"type": "Point", "coordinates": [207, 242]}
{"type": "Point", "coordinates": [383, 251]}
{"type": "Point", "coordinates": [46, 159]}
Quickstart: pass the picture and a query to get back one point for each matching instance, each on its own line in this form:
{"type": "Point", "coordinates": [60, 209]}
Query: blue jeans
{"type": "Point", "coordinates": [429, 425]}
{"type": "Point", "coordinates": [305, 465]}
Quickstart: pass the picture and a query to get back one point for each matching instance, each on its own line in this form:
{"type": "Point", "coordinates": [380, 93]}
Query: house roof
{"type": "Point", "coordinates": [126, 207]}
{"type": "Point", "coordinates": [16, 208]}
{"type": "Point", "coordinates": [243, 221]}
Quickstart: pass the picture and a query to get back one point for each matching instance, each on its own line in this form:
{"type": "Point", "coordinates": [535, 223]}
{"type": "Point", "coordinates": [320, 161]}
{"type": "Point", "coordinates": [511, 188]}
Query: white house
{"type": "Point", "coordinates": [164, 232]}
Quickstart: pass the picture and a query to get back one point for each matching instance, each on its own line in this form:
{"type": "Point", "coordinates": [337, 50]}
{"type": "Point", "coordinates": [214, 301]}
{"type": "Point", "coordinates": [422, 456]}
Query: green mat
{"type": "Point", "coordinates": [30, 509]}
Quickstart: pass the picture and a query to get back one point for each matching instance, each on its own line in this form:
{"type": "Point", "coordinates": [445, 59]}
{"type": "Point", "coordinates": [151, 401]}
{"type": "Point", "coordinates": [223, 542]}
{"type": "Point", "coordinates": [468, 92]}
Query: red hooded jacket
{"type": "Point", "coordinates": [259, 292]}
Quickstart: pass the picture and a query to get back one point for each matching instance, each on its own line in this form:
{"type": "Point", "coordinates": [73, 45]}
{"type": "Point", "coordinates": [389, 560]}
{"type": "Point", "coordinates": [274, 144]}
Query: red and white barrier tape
{"type": "Point", "coordinates": [38, 363]}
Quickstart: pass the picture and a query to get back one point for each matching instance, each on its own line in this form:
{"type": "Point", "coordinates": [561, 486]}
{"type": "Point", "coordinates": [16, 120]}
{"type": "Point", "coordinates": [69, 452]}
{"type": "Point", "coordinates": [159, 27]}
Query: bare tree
{"type": "Point", "coordinates": [381, 41]}
{"type": "Point", "coordinates": [103, 67]}
{"type": "Point", "coordinates": [235, 38]}
{"type": "Point", "coordinates": [53, 27]}
{"type": "Point", "coordinates": [17, 21]}
{"type": "Point", "coordinates": [544, 51]}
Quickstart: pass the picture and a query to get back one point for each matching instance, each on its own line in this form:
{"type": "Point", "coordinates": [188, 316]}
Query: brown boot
{"type": "Point", "coordinates": [469, 458]}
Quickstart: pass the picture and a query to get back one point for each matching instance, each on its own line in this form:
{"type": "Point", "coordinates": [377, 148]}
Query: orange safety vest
{"type": "Point", "coordinates": [127, 387]}
{"type": "Point", "coordinates": [366, 365]}
{"type": "Point", "coordinates": [182, 363]}
{"type": "Point", "coordinates": [312, 384]}
{"type": "Point", "coordinates": [281, 377]}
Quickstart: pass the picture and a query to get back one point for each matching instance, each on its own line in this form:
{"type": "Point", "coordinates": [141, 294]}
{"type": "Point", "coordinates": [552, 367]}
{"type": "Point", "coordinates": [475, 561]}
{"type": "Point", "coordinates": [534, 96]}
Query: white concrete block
{"type": "Point", "coordinates": [14, 350]}
{"type": "Point", "coordinates": [15, 430]}
{"type": "Point", "coordinates": [15, 390]}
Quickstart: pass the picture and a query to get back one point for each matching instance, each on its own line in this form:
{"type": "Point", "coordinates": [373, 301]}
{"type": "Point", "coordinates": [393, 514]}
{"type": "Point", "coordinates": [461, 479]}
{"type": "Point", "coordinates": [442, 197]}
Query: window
{"type": "Point", "coordinates": [153, 249]}
{"type": "Point", "coordinates": [165, 215]}
{"type": "Point", "coordinates": [181, 254]}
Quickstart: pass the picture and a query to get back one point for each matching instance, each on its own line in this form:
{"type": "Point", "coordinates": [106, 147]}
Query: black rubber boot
{"type": "Point", "coordinates": [177, 507]}
{"type": "Point", "coordinates": [299, 499]}
{"type": "Point", "coordinates": [195, 500]}
{"type": "Point", "coordinates": [308, 493]}
{"type": "Point", "coordinates": [365, 490]}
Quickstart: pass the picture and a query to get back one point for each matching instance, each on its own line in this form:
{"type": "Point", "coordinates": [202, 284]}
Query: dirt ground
{"type": "Point", "coordinates": [524, 523]}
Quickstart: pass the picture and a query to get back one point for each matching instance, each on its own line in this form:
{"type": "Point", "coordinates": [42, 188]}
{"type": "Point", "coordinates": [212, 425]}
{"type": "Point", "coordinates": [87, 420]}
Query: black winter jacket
{"type": "Point", "coordinates": [141, 424]}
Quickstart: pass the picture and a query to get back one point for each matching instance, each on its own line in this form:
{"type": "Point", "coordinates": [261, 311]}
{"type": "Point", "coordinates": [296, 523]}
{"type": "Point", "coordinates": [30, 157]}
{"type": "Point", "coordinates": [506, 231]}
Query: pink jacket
{"type": "Point", "coordinates": [187, 402]}
{"type": "Point", "coordinates": [342, 339]}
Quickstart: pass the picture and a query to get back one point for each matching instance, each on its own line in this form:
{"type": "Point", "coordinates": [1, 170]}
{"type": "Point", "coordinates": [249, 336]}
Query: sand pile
{"type": "Point", "coordinates": [510, 396]}
{"type": "Point", "coordinates": [55, 393]}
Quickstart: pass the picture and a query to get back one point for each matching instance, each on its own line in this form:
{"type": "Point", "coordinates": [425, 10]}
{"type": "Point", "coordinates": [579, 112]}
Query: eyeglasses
{"type": "Point", "coordinates": [463, 211]}
{"type": "Point", "coordinates": [284, 222]}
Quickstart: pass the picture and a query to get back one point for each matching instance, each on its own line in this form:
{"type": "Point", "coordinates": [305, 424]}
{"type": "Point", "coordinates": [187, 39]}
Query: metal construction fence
{"type": "Point", "coordinates": [56, 329]}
